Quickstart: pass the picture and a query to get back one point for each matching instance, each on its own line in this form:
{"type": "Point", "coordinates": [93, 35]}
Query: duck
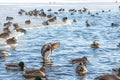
{"type": "Point", "coordinates": [87, 23]}
{"type": "Point", "coordinates": [74, 20]}
{"type": "Point", "coordinates": [9, 18]}
{"type": "Point", "coordinates": [7, 24]}
{"type": "Point", "coordinates": [84, 59]}
{"type": "Point", "coordinates": [12, 40]}
{"type": "Point", "coordinates": [64, 19]}
{"type": "Point", "coordinates": [95, 45]}
{"type": "Point", "coordinates": [38, 78]}
{"type": "Point", "coordinates": [27, 22]}
{"type": "Point", "coordinates": [21, 30]}
{"type": "Point", "coordinates": [118, 45]}
{"type": "Point", "coordinates": [4, 35]}
{"type": "Point", "coordinates": [16, 26]}
{"type": "Point", "coordinates": [4, 53]}
{"type": "Point", "coordinates": [16, 66]}
{"type": "Point", "coordinates": [6, 30]}
{"type": "Point", "coordinates": [115, 24]}
{"type": "Point", "coordinates": [32, 72]}
{"type": "Point", "coordinates": [107, 77]}
{"type": "Point", "coordinates": [81, 69]}
{"type": "Point", "coordinates": [114, 76]}
{"type": "Point", "coordinates": [47, 49]}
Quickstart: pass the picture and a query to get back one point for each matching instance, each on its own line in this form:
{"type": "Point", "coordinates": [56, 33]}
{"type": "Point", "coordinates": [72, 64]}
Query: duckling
{"type": "Point", "coordinates": [81, 69]}
{"type": "Point", "coordinates": [118, 45]}
{"type": "Point", "coordinates": [87, 23]}
{"type": "Point", "coordinates": [27, 22]}
{"type": "Point", "coordinates": [47, 49]}
{"type": "Point", "coordinates": [3, 53]}
{"type": "Point", "coordinates": [95, 45]}
{"type": "Point", "coordinates": [16, 66]}
{"type": "Point", "coordinates": [84, 59]}
{"type": "Point", "coordinates": [31, 72]}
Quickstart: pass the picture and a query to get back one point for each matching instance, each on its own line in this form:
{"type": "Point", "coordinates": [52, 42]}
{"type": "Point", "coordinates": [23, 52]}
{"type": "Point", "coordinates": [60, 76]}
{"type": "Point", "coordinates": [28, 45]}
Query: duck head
{"type": "Point", "coordinates": [21, 64]}
{"type": "Point", "coordinates": [38, 78]}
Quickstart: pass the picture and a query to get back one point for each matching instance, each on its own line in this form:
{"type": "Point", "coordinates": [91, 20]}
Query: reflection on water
{"type": "Point", "coordinates": [75, 39]}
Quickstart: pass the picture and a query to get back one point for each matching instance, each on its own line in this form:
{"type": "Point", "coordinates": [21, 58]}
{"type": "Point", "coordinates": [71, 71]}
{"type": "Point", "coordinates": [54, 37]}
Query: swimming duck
{"type": "Point", "coordinates": [27, 22]}
{"type": "Point", "coordinates": [16, 26]}
{"type": "Point", "coordinates": [16, 66]}
{"type": "Point", "coordinates": [107, 77]}
{"type": "Point", "coordinates": [6, 30]}
{"type": "Point", "coordinates": [118, 45]}
{"type": "Point", "coordinates": [115, 24]}
{"type": "Point", "coordinates": [3, 53]}
{"type": "Point", "coordinates": [81, 69]}
{"type": "Point", "coordinates": [12, 40]}
{"type": "Point", "coordinates": [4, 35]}
{"type": "Point", "coordinates": [114, 76]}
{"type": "Point", "coordinates": [64, 19]}
{"type": "Point", "coordinates": [21, 30]}
{"type": "Point", "coordinates": [95, 45]}
{"type": "Point", "coordinates": [84, 59]}
{"type": "Point", "coordinates": [9, 18]}
{"type": "Point", "coordinates": [47, 49]}
{"type": "Point", "coordinates": [87, 23]}
{"type": "Point", "coordinates": [31, 72]}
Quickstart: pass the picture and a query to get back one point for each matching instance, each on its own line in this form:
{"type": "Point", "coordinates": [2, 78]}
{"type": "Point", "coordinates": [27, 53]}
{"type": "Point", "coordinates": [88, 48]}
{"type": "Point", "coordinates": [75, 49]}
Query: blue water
{"type": "Point", "coordinates": [75, 39]}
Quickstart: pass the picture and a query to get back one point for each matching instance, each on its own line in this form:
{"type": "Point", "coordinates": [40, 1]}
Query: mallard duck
{"type": "Point", "coordinates": [6, 30]}
{"type": "Point", "coordinates": [64, 19]}
{"type": "Point", "coordinates": [118, 45]}
{"type": "Point", "coordinates": [114, 76]}
{"type": "Point", "coordinates": [81, 69]}
{"type": "Point", "coordinates": [16, 66]}
{"type": "Point", "coordinates": [95, 45]}
{"type": "Point", "coordinates": [115, 24]}
{"type": "Point", "coordinates": [87, 23]}
{"type": "Point", "coordinates": [107, 77]}
{"type": "Point", "coordinates": [21, 30]}
{"type": "Point", "coordinates": [84, 59]}
{"type": "Point", "coordinates": [12, 40]}
{"type": "Point", "coordinates": [27, 22]}
{"type": "Point", "coordinates": [31, 72]}
{"type": "Point", "coordinates": [16, 26]}
{"type": "Point", "coordinates": [9, 18]}
{"type": "Point", "coordinates": [47, 49]}
{"type": "Point", "coordinates": [4, 35]}
{"type": "Point", "coordinates": [3, 53]}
